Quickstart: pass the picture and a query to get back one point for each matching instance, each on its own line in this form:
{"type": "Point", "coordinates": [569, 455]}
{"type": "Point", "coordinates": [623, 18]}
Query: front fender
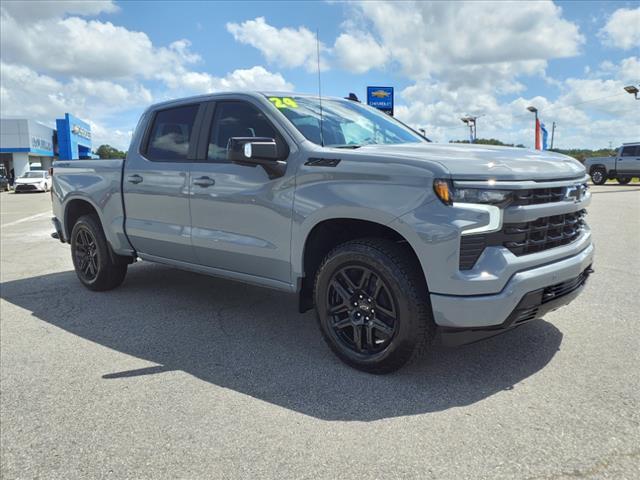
{"type": "Point", "coordinates": [354, 190]}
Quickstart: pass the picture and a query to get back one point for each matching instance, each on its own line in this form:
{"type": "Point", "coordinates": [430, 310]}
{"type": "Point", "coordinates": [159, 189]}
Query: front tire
{"type": "Point", "coordinates": [624, 181]}
{"type": "Point", "coordinates": [96, 266]}
{"type": "Point", "coordinates": [373, 306]}
{"type": "Point", "coordinates": [599, 176]}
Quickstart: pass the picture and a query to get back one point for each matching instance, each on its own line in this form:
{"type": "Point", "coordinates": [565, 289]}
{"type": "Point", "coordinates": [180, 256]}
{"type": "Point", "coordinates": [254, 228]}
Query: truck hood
{"type": "Point", "coordinates": [481, 162]}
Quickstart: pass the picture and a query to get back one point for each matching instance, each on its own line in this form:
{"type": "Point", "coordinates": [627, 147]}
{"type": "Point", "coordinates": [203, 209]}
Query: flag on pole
{"type": "Point", "coordinates": [545, 134]}
{"type": "Point", "coordinates": [537, 134]}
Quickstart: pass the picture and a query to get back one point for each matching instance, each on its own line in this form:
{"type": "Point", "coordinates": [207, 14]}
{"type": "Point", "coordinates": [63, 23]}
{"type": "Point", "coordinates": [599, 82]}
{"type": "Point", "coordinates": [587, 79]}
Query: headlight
{"type": "Point", "coordinates": [449, 194]}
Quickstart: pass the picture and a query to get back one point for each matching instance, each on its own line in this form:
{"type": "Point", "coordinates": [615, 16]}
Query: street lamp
{"type": "Point", "coordinates": [534, 110]}
{"type": "Point", "coordinates": [633, 90]}
{"type": "Point", "coordinates": [471, 122]}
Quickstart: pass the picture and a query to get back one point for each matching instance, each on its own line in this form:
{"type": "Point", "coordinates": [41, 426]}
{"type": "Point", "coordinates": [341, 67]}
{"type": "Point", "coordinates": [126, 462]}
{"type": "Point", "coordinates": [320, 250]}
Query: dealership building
{"type": "Point", "coordinates": [26, 144]}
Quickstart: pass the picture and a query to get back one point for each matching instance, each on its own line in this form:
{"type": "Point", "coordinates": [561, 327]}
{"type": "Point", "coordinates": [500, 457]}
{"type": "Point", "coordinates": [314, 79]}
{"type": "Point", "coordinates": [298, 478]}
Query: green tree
{"type": "Point", "coordinates": [578, 153]}
{"type": "Point", "coordinates": [489, 141]}
{"type": "Point", "coordinates": [107, 151]}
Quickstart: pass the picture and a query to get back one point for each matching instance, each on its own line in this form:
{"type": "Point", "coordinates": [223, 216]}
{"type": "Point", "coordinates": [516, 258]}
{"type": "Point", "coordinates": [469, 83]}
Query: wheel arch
{"type": "Point", "coordinates": [327, 234]}
{"type": "Point", "coordinates": [598, 166]}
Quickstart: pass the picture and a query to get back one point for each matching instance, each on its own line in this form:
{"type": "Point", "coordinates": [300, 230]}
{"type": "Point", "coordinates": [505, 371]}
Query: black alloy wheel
{"type": "Point", "coordinates": [86, 254]}
{"type": "Point", "coordinates": [373, 305]}
{"type": "Point", "coordinates": [362, 309]}
{"type": "Point", "coordinates": [96, 265]}
{"type": "Point", "coordinates": [624, 180]}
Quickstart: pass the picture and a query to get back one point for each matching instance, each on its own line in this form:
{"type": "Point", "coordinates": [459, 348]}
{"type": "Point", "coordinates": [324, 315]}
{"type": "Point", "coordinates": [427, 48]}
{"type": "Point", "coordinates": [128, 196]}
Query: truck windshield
{"type": "Point", "coordinates": [345, 123]}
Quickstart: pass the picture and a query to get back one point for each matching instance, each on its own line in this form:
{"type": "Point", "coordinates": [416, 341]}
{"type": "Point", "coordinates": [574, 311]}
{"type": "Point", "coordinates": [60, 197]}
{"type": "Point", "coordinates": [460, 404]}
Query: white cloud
{"type": "Point", "coordinates": [359, 52]}
{"type": "Point", "coordinates": [427, 38]}
{"type": "Point", "coordinates": [35, 10]}
{"type": "Point", "coordinates": [622, 29]}
{"type": "Point", "coordinates": [285, 47]}
{"type": "Point", "coordinates": [589, 112]}
{"type": "Point", "coordinates": [255, 78]}
{"type": "Point", "coordinates": [75, 46]}
{"type": "Point", "coordinates": [53, 61]}
{"type": "Point", "coordinates": [28, 93]}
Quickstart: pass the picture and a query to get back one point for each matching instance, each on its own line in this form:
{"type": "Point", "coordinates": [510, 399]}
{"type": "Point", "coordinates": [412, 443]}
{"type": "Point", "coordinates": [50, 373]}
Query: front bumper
{"type": "Point", "coordinates": [28, 187]}
{"type": "Point", "coordinates": [492, 311]}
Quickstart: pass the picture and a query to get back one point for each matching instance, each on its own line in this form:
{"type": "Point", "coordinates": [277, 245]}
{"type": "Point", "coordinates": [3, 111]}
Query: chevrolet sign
{"type": "Point", "coordinates": [81, 132]}
{"type": "Point", "coordinates": [381, 98]}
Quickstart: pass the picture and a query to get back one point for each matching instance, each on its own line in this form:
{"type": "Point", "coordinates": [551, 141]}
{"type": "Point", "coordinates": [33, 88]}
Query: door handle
{"type": "Point", "coordinates": [204, 181]}
{"type": "Point", "coordinates": [134, 179]}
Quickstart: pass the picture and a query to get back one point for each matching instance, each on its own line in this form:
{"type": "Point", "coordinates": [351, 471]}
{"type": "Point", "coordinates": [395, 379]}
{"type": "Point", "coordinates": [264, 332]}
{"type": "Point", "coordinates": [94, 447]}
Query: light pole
{"type": "Point", "coordinates": [633, 90]}
{"type": "Point", "coordinates": [471, 122]}
{"type": "Point", "coordinates": [534, 110]}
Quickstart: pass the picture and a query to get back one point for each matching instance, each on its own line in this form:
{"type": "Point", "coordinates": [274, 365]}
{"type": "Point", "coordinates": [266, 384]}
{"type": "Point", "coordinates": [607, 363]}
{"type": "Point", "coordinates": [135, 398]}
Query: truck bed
{"type": "Point", "coordinates": [98, 182]}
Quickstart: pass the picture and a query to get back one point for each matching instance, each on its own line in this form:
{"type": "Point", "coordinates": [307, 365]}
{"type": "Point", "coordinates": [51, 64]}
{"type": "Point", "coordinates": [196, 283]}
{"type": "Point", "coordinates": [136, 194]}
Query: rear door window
{"type": "Point", "coordinates": [172, 134]}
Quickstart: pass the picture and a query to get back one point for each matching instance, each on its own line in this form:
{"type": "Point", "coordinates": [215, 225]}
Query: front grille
{"type": "Point", "coordinates": [21, 186]}
{"type": "Point", "coordinates": [537, 196]}
{"type": "Point", "coordinates": [524, 238]}
{"type": "Point", "coordinates": [543, 233]}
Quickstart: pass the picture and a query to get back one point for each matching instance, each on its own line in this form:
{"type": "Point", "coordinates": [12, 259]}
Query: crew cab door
{"type": "Point", "coordinates": [240, 218]}
{"type": "Point", "coordinates": [628, 163]}
{"type": "Point", "coordinates": [156, 184]}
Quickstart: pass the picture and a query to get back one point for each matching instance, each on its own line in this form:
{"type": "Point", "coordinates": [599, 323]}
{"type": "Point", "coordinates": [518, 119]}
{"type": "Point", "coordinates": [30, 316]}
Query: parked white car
{"type": "Point", "coordinates": [33, 181]}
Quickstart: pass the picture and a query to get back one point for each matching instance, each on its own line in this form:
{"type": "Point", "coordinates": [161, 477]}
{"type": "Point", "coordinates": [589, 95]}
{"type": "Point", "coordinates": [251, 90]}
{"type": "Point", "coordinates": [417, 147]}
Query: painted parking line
{"type": "Point", "coordinates": [26, 219]}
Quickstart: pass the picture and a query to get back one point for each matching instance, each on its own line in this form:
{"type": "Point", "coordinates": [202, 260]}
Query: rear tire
{"type": "Point", "coordinates": [599, 176]}
{"type": "Point", "coordinates": [373, 306]}
{"type": "Point", "coordinates": [624, 181]}
{"type": "Point", "coordinates": [96, 266]}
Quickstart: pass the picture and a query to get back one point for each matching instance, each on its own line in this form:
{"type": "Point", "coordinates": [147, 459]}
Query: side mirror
{"type": "Point", "coordinates": [254, 151]}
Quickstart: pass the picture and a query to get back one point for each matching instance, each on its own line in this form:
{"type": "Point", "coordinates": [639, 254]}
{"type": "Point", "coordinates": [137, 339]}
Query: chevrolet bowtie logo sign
{"type": "Point", "coordinates": [380, 98]}
{"type": "Point", "coordinates": [380, 94]}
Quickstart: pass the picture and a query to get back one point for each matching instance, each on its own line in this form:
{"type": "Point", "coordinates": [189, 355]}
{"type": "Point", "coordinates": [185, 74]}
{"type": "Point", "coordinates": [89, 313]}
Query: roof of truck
{"type": "Point", "coordinates": [252, 93]}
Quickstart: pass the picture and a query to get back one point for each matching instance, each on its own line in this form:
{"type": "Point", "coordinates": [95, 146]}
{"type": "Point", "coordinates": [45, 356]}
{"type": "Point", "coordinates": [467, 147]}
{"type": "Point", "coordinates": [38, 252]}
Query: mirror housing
{"type": "Point", "coordinates": [254, 151]}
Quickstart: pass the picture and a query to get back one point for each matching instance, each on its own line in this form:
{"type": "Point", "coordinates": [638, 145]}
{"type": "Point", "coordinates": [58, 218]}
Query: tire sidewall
{"type": "Point", "coordinates": [89, 223]}
{"type": "Point", "coordinates": [406, 336]}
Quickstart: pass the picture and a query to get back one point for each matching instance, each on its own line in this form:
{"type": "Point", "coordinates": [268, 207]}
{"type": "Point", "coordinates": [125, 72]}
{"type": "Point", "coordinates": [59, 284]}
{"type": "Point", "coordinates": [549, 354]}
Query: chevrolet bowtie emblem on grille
{"type": "Point", "coordinates": [575, 193]}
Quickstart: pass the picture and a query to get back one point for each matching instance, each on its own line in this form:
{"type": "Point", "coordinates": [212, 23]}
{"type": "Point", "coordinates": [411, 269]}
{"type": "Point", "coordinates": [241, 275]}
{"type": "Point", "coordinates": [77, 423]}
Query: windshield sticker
{"type": "Point", "coordinates": [283, 102]}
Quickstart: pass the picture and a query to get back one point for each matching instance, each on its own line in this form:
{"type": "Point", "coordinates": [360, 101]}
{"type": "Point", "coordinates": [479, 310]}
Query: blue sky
{"type": "Point", "coordinates": [106, 61]}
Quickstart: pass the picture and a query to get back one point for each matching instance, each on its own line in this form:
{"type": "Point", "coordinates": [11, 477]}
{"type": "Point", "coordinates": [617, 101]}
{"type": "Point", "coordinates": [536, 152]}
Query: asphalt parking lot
{"type": "Point", "coordinates": [177, 375]}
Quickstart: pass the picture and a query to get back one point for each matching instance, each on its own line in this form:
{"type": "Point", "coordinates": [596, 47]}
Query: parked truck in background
{"type": "Point", "coordinates": [397, 242]}
{"type": "Point", "coordinates": [623, 166]}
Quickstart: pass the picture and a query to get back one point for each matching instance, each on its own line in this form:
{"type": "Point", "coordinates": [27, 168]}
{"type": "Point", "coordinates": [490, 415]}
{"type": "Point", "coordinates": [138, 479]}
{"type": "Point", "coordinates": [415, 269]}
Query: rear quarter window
{"type": "Point", "coordinates": [172, 134]}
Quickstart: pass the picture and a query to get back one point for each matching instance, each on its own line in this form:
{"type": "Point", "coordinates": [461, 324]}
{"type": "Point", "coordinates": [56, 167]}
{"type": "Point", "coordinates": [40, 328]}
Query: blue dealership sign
{"type": "Point", "coordinates": [74, 138]}
{"type": "Point", "coordinates": [381, 98]}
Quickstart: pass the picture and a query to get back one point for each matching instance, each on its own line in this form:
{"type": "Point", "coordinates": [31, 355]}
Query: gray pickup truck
{"type": "Point", "coordinates": [397, 242]}
{"type": "Point", "coordinates": [623, 166]}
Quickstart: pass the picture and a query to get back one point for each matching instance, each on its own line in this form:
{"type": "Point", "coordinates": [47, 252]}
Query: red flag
{"type": "Point", "coordinates": [538, 146]}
